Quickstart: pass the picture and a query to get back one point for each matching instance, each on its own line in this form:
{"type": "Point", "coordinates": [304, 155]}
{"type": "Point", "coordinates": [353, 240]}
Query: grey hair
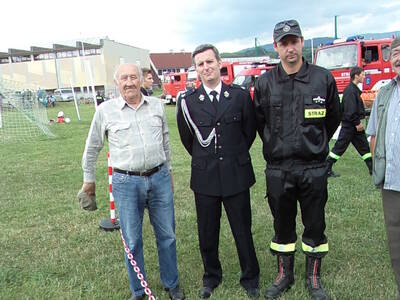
{"type": "Point", "coordinates": [137, 66]}
{"type": "Point", "coordinates": [395, 44]}
{"type": "Point", "coordinates": [203, 47]}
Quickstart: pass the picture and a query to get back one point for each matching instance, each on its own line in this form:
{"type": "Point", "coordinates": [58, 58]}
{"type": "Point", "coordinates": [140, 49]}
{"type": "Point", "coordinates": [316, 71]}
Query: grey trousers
{"type": "Point", "coordinates": [391, 210]}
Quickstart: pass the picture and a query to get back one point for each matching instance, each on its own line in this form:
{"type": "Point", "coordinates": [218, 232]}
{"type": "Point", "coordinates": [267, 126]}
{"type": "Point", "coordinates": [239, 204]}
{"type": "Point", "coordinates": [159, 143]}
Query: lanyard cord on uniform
{"type": "Point", "coordinates": [204, 143]}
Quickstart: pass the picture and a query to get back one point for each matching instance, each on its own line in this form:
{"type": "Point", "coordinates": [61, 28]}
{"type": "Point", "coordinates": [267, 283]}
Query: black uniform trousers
{"type": "Point", "coordinates": [238, 211]}
{"type": "Point", "coordinates": [308, 185]}
{"type": "Point", "coordinates": [349, 134]}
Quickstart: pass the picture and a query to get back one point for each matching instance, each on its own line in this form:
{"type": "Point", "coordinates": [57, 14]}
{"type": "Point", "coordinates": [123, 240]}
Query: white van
{"type": "Point", "coordinates": [63, 95]}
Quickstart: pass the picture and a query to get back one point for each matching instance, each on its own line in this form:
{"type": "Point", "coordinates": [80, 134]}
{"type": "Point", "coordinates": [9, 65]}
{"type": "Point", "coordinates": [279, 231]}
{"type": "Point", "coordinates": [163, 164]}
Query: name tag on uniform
{"type": "Point", "coordinates": [312, 113]}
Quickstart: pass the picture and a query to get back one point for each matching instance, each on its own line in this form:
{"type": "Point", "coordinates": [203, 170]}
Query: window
{"type": "Point", "coordinates": [385, 52]}
{"type": "Point", "coordinates": [224, 71]}
{"type": "Point", "coordinates": [370, 54]}
{"type": "Point", "coordinates": [337, 57]}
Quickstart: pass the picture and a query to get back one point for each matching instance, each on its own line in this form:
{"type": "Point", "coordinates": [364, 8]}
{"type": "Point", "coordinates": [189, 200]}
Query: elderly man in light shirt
{"type": "Point", "coordinates": [384, 129]}
{"type": "Point", "coordinates": [137, 132]}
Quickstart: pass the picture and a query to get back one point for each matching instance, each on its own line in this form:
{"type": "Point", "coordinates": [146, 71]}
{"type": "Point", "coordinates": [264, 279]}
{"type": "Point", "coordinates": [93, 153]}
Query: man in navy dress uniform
{"type": "Point", "coordinates": [217, 127]}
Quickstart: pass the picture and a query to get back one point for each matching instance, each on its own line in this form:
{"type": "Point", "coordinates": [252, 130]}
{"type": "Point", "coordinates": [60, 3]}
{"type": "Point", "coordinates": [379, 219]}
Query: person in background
{"type": "Point", "coordinates": [352, 129]}
{"type": "Point", "coordinates": [147, 85]}
{"type": "Point", "coordinates": [217, 127]}
{"type": "Point", "coordinates": [99, 98]}
{"type": "Point", "coordinates": [138, 139]}
{"type": "Point", "coordinates": [297, 110]}
{"type": "Point", "coordinates": [384, 129]}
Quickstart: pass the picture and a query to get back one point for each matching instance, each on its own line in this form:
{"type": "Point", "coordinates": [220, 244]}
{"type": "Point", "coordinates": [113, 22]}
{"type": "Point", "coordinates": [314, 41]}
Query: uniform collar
{"type": "Point", "coordinates": [217, 89]}
{"type": "Point", "coordinates": [302, 75]}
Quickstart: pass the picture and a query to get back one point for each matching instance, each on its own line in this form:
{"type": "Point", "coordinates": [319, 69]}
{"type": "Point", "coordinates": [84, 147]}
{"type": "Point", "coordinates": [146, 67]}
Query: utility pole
{"type": "Point", "coordinates": [336, 36]}
{"type": "Point", "coordinates": [255, 46]}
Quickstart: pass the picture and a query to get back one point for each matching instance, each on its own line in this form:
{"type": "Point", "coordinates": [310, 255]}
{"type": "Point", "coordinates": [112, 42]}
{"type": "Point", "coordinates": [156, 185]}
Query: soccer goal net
{"type": "Point", "coordinates": [22, 116]}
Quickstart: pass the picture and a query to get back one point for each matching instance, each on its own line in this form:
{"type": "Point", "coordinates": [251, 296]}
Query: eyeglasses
{"type": "Point", "coordinates": [290, 23]}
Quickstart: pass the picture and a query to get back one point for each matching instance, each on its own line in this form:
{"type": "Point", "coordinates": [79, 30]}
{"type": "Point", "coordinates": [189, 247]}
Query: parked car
{"type": "Point", "coordinates": [63, 95]}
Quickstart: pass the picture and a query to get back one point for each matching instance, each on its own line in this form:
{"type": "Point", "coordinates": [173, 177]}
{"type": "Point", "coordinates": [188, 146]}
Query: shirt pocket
{"type": "Point", "coordinates": [314, 110]}
{"type": "Point", "coordinates": [274, 112]}
{"type": "Point", "coordinates": [156, 131]}
{"type": "Point", "coordinates": [119, 134]}
{"type": "Point", "coordinates": [156, 121]}
{"type": "Point", "coordinates": [204, 122]}
{"type": "Point", "coordinates": [233, 118]}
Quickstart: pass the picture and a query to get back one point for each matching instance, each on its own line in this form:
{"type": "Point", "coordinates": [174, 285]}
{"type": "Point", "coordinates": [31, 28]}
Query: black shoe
{"type": "Point", "coordinates": [176, 293]}
{"type": "Point", "coordinates": [141, 297]}
{"type": "Point", "coordinates": [206, 292]}
{"type": "Point", "coordinates": [253, 293]}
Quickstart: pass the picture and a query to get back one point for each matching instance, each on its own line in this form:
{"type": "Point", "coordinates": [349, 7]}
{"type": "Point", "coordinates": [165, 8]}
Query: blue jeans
{"type": "Point", "coordinates": [132, 194]}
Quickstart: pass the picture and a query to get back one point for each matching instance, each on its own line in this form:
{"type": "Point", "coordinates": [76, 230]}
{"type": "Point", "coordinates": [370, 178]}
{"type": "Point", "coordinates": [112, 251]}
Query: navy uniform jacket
{"type": "Point", "coordinates": [223, 169]}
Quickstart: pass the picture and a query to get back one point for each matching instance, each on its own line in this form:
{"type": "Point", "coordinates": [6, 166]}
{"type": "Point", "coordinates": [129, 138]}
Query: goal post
{"type": "Point", "coordinates": [22, 116]}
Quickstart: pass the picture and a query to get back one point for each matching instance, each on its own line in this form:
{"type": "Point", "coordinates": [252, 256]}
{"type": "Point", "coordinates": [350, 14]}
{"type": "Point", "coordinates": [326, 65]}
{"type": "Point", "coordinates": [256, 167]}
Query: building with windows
{"type": "Point", "coordinates": [164, 63]}
{"type": "Point", "coordinates": [80, 65]}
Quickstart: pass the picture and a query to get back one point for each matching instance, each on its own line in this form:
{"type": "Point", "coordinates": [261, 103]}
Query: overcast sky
{"type": "Point", "coordinates": [163, 25]}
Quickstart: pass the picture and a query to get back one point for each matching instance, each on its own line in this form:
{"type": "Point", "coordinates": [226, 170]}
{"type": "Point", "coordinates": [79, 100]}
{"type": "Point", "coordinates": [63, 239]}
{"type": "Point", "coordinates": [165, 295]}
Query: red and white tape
{"type": "Point", "coordinates": [133, 262]}
{"type": "Point", "coordinates": [112, 205]}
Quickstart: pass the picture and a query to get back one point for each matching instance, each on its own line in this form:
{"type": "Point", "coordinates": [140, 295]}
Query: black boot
{"type": "Point", "coordinates": [330, 162]}
{"type": "Point", "coordinates": [284, 279]}
{"type": "Point", "coordinates": [313, 278]}
{"type": "Point", "coordinates": [368, 162]}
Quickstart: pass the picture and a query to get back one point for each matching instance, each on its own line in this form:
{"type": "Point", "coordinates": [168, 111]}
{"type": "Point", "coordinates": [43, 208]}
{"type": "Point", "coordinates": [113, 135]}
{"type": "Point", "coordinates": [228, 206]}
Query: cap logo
{"type": "Point", "coordinates": [286, 28]}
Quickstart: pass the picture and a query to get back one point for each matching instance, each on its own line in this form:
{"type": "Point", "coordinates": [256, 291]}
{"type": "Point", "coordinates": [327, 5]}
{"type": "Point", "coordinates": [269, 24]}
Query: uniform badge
{"type": "Point", "coordinates": [318, 100]}
{"type": "Point", "coordinates": [286, 28]}
{"type": "Point", "coordinates": [226, 94]}
{"type": "Point", "coordinates": [201, 97]}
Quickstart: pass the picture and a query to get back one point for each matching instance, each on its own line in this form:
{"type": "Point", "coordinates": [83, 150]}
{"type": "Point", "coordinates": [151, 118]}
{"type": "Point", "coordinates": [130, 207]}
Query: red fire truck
{"type": "Point", "coordinates": [172, 85]}
{"type": "Point", "coordinates": [176, 83]}
{"type": "Point", "coordinates": [247, 77]}
{"type": "Point", "coordinates": [229, 70]}
{"type": "Point", "coordinates": [371, 55]}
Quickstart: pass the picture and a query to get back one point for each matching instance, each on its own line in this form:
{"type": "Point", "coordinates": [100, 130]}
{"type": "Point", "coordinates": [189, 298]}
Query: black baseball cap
{"type": "Point", "coordinates": [284, 28]}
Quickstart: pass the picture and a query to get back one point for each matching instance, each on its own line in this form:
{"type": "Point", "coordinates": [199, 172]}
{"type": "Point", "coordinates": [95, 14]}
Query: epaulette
{"type": "Point", "coordinates": [236, 86]}
{"type": "Point", "coordinates": [187, 93]}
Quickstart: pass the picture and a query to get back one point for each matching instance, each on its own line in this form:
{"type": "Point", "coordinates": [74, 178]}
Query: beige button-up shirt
{"type": "Point", "coordinates": [138, 138]}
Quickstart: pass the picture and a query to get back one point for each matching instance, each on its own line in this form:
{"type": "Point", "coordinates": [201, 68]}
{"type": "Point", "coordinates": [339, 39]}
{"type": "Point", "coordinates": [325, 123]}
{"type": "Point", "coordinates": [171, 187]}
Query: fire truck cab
{"type": "Point", "coordinates": [172, 85]}
{"type": "Point", "coordinates": [371, 55]}
{"type": "Point", "coordinates": [247, 77]}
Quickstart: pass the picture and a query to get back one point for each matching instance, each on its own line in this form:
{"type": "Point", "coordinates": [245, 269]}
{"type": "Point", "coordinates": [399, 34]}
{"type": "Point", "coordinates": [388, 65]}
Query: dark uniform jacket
{"type": "Point", "coordinates": [296, 118]}
{"type": "Point", "coordinates": [144, 91]}
{"type": "Point", "coordinates": [353, 106]}
{"type": "Point", "coordinates": [224, 169]}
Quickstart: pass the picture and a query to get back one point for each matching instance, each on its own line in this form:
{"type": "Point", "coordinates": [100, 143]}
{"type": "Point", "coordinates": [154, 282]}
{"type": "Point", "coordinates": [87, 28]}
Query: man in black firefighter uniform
{"type": "Point", "coordinates": [352, 129]}
{"type": "Point", "coordinates": [217, 127]}
{"type": "Point", "coordinates": [297, 110]}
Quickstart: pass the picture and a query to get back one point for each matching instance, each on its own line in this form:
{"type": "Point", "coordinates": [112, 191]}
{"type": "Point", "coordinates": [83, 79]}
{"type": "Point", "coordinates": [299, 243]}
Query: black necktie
{"type": "Point", "coordinates": [214, 99]}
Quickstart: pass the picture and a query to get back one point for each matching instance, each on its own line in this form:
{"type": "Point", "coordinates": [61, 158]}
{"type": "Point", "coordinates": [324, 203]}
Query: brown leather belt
{"type": "Point", "coordinates": [146, 173]}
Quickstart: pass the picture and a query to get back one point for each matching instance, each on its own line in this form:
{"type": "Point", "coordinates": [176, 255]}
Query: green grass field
{"type": "Point", "coordinates": [51, 249]}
